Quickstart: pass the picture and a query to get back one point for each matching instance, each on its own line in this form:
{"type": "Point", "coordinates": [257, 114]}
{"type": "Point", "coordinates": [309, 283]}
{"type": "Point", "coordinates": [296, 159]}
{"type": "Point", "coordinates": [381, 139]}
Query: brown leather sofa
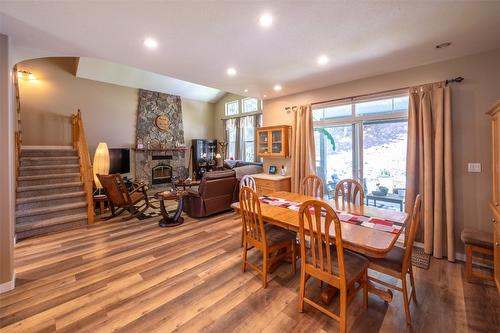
{"type": "Point", "coordinates": [217, 191]}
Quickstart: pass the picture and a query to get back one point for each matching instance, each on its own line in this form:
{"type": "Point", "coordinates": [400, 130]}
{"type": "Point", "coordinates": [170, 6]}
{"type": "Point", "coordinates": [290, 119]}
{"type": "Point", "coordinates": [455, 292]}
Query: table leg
{"type": "Point", "coordinates": [101, 207]}
{"type": "Point", "coordinates": [171, 221]}
{"type": "Point", "coordinates": [385, 294]}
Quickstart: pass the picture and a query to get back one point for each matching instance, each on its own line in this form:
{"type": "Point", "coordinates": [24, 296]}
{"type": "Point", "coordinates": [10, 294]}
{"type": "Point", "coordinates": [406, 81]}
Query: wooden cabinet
{"type": "Point", "coordinates": [266, 183]}
{"type": "Point", "coordinates": [273, 141]}
{"type": "Point", "coordinates": [494, 112]}
{"type": "Point", "coordinates": [203, 153]}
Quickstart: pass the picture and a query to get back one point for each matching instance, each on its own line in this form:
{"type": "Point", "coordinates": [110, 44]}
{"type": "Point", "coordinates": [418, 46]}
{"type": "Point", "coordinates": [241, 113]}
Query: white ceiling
{"type": "Point", "coordinates": [198, 40]}
{"type": "Point", "coordinates": [105, 71]}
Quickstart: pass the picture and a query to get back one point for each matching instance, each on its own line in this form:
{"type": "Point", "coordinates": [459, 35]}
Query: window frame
{"type": "Point", "coordinates": [243, 112]}
{"type": "Point", "coordinates": [237, 101]}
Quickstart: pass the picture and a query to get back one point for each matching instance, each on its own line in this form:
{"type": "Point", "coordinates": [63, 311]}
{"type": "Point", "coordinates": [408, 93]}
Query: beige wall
{"type": "Point", "coordinates": [109, 111]}
{"type": "Point", "coordinates": [7, 169]}
{"type": "Point", "coordinates": [471, 127]}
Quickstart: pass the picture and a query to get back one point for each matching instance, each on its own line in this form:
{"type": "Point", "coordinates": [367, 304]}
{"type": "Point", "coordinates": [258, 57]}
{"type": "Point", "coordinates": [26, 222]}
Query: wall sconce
{"type": "Point", "coordinates": [101, 163]}
{"type": "Point", "coordinates": [25, 75]}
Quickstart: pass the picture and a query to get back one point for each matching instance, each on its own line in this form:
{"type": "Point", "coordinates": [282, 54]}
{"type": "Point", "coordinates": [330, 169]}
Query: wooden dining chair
{"type": "Point", "coordinates": [327, 261]}
{"type": "Point", "coordinates": [248, 180]}
{"type": "Point", "coordinates": [312, 186]}
{"type": "Point", "coordinates": [349, 190]}
{"type": "Point", "coordinates": [267, 238]}
{"type": "Point", "coordinates": [397, 263]}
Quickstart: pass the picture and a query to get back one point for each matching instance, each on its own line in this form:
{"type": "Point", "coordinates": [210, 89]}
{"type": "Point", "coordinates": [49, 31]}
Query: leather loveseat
{"type": "Point", "coordinates": [217, 191]}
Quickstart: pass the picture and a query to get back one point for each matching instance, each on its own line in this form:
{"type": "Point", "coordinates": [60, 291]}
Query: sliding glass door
{"type": "Point", "coordinates": [364, 140]}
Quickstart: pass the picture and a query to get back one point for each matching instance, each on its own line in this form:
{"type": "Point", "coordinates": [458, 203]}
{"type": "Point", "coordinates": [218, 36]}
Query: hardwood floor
{"type": "Point", "coordinates": [136, 277]}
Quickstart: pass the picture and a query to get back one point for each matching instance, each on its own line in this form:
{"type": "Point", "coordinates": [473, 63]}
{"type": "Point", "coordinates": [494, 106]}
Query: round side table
{"type": "Point", "coordinates": [170, 220]}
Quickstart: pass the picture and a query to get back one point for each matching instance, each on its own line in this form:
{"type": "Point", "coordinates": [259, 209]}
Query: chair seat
{"type": "Point", "coordinates": [276, 235]}
{"type": "Point", "coordinates": [354, 263]}
{"type": "Point", "coordinates": [392, 261]}
{"type": "Point", "coordinates": [477, 238]}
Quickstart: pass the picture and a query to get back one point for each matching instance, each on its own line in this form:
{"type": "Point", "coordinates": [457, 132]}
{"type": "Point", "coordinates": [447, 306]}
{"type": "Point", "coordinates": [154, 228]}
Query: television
{"type": "Point", "coordinates": [119, 160]}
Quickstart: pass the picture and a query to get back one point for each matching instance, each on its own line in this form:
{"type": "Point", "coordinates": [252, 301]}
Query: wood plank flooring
{"type": "Point", "coordinates": [136, 277]}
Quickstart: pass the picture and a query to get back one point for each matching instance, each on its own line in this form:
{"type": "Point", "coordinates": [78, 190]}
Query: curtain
{"type": "Point", "coordinates": [429, 169]}
{"type": "Point", "coordinates": [240, 136]}
{"type": "Point", "coordinates": [303, 149]}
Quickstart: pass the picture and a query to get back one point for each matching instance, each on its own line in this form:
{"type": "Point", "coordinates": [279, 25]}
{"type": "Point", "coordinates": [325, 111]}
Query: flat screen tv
{"type": "Point", "coordinates": [119, 160]}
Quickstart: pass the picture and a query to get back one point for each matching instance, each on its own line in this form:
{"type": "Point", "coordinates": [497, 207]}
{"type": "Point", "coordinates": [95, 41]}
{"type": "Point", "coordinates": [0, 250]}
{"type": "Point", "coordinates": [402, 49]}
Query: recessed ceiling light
{"type": "Point", "coordinates": [150, 43]}
{"type": "Point", "coordinates": [443, 45]}
{"type": "Point", "coordinates": [246, 90]}
{"type": "Point", "coordinates": [264, 96]}
{"type": "Point", "coordinates": [265, 20]}
{"type": "Point", "coordinates": [231, 71]}
{"type": "Point", "coordinates": [322, 60]}
{"type": "Point", "coordinates": [277, 87]}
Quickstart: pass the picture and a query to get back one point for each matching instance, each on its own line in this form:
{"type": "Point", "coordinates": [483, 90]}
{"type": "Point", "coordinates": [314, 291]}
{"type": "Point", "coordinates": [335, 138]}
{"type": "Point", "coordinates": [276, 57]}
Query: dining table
{"type": "Point", "coordinates": [362, 238]}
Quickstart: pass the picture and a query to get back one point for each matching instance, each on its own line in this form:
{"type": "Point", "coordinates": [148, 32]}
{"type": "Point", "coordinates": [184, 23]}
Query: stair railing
{"type": "Point", "coordinates": [86, 174]}
{"type": "Point", "coordinates": [17, 133]}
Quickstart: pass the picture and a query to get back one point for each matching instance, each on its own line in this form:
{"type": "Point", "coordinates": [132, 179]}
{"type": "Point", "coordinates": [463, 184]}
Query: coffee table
{"type": "Point", "coordinates": [170, 220]}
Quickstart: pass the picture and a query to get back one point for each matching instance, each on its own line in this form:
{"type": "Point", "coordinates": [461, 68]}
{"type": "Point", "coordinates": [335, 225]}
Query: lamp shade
{"type": "Point", "coordinates": [101, 162]}
{"type": "Point", "coordinates": [218, 156]}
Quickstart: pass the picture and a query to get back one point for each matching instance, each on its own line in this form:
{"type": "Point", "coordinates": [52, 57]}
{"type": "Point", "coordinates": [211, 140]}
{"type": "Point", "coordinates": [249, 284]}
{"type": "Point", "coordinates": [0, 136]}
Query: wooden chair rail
{"type": "Point", "coordinates": [80, 144]}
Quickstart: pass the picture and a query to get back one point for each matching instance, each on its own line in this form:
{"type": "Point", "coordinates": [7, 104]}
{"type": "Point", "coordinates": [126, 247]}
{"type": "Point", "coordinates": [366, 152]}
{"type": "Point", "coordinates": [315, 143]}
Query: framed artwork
{"type": "Point", "coordinates": [272, 169]}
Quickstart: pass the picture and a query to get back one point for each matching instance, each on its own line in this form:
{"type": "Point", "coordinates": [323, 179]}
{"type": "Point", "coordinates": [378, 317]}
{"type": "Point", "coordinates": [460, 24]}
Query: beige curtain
{"type": "Point", "coordinates": [429, 166]}
{"type": "Point", "coordinates": [303, 150]}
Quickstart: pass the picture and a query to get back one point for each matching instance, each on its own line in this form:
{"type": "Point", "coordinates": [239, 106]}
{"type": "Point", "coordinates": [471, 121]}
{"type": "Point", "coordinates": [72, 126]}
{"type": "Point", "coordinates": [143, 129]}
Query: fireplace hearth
{"type": "Point", "coordinates": [161, 174]}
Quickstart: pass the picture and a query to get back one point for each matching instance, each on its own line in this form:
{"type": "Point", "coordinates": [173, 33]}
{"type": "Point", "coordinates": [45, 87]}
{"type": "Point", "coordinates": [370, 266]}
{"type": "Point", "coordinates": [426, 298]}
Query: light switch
{"type": "Point", "coordinates": [474, 167]}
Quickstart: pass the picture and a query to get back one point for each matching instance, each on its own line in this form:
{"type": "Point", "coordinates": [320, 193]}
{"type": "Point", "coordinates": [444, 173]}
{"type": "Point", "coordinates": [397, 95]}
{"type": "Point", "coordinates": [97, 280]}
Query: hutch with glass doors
{"type": "Point", "coordinates": [273, 141]}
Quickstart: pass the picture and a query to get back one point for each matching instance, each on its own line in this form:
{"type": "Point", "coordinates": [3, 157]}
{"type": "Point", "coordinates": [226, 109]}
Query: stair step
{"type": "Point", "coordinates": [52, 199]}
{"type": "Point", "coordinates": [48, 160]}
{"type": "Point", "coordinates": [48, 189]}
{"type": "Point", "coordinates": [51, 222]}
{"type": "Point", "coordinates": [40, 151]}
{"type": "Point", "coordinates": [50, 209]}
{"type": "Point", "coordinates": [48, 169]}
{"type": "Point", "coordinates": [47, 179]}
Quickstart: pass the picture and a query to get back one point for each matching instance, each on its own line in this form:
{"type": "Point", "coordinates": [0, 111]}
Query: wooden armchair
{"type": "Point", "coordinates": [312, 186]}
{"type": "Point", "coordinates": [121, 198]}
{"type": "Point", "coordinates": [349, 190]}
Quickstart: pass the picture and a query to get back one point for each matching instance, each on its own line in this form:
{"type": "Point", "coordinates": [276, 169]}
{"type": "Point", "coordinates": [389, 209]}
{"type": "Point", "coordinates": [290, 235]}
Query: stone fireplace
{"type": "Point", "coordinates": [160, 133]}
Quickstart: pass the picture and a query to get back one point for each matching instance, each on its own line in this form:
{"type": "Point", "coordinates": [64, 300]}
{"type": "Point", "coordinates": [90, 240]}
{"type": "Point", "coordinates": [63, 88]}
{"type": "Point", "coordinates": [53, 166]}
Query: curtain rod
{"type": "Point", "coordinates": [457, 79]}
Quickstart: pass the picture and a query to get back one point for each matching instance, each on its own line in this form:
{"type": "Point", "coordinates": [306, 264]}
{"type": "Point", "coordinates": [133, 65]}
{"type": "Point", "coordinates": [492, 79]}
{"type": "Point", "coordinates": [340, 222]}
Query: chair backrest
{"type": "Point", "coordinates": [312, 186]}
{"type": "Point", "coordinates": [115, 189]}
{"type": "Point", "coordinates": [414, 222]}
{"type": "Point", "coordinates": [249, 181]}
{"type": "Point", "coordinates": [217, 183]}
{"type": "Point", "coordinates": [315, 220]}
{"type": "Point", "coordinates": [251, 216]}
{"type": "Point", "coordinates": [349, 190]}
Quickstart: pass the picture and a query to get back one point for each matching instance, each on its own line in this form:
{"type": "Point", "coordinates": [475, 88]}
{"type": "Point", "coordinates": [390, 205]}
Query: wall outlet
{"type": "Point", "coordinates": [474, 167]}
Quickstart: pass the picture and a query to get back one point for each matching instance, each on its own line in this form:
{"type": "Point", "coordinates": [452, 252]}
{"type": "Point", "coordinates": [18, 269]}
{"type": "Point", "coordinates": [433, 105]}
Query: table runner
{"type": "Point", "coordinates": [344, 216]}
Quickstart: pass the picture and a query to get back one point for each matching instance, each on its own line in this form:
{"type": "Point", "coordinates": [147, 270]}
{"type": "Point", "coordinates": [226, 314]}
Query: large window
{"type": "Point", "coordinates": [365, 140]}
{"type": "Point", "coordinates": [242, 117]}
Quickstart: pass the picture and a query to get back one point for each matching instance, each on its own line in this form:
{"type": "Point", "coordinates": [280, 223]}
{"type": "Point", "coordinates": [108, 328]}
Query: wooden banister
{"type": "Point", "coordinates": [80, 144]}
{"type": "Point", "coordinates": [17, 133]}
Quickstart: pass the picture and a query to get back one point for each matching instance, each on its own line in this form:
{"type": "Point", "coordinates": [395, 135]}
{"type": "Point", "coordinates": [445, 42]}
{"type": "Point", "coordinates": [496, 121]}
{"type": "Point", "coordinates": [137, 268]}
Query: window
{"type": "Point", "coordinates": [231, 134]}
{"type": "Point", "coordinates": [364, 139]}
{"type": "Point", "coordinates": [250, 105]}
{"type": "Point", "coordinates": [247, 128]}
{"type": "Point", "coordinates": [232, 108]}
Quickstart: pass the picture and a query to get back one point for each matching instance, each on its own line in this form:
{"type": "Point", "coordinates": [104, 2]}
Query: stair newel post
{"type": "Point", "coordinates": [80, 144]}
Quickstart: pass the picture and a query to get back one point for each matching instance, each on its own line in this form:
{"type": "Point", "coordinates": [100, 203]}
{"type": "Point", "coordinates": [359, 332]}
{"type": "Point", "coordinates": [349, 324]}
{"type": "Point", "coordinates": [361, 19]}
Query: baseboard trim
{"type": "Point", "coordinates": [9, 285]}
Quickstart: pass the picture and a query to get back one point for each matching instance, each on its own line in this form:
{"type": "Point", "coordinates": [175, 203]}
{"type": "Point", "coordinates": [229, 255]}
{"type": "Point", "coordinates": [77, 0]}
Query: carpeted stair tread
{"type": "Point", "coordinates": [50, 197]}
{"type": "Point", "coordinates": [47, 186]}
{"type": "Point", "coordinates": [50, 176]}
{"type": "Point", "coordinates": [50, 209]}
{"type": "Point", "coordinates": [49, 166]}
{"type": "Point", "coordinates": [22, 227]}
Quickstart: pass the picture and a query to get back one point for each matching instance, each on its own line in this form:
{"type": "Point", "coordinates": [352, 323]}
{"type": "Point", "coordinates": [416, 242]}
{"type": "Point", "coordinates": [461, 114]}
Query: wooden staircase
{"type": "Point", "coordinates": [50, 192]}
{"type": "Point", "coordinates": [54, 186]}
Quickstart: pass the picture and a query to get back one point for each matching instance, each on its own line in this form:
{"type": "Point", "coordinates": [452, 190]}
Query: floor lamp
{"type": "Point", "coordinates": [101, 164]}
